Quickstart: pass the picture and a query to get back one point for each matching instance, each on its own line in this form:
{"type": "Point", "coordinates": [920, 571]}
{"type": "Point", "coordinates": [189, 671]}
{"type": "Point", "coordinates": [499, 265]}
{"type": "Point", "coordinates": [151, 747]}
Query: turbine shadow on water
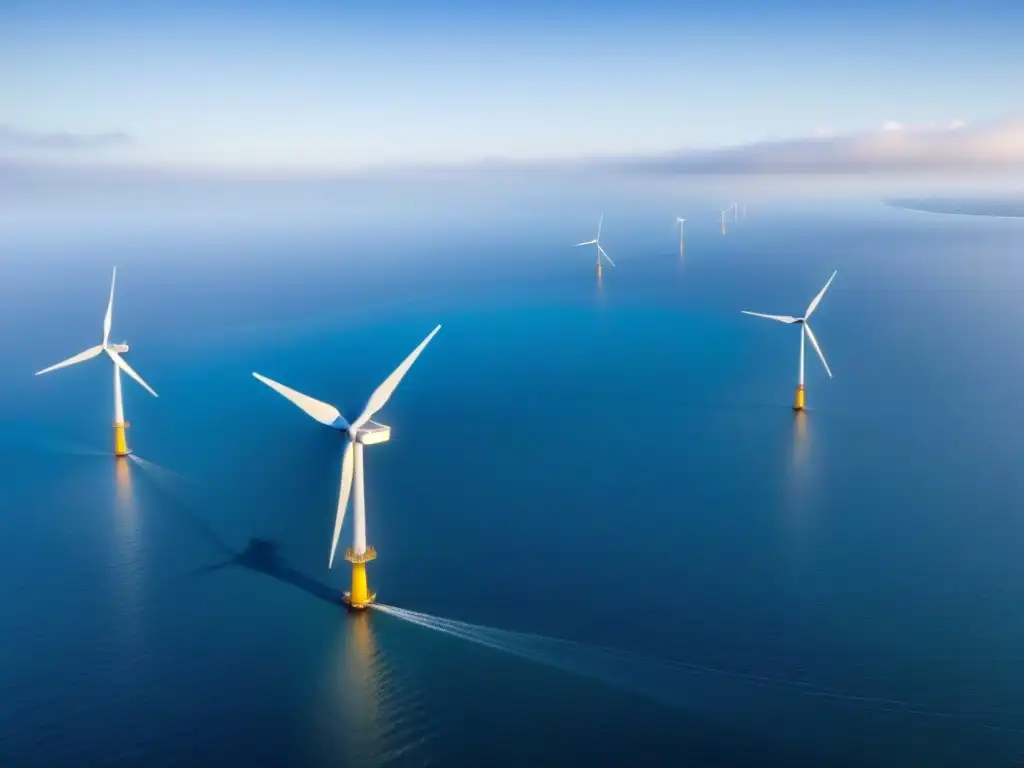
{"type": "Point", "coordinates": [260, 555]}
{"type": "Point", "coordinates": [263, 556]}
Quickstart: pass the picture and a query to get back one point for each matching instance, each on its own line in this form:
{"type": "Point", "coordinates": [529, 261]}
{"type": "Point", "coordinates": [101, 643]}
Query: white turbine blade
{"type": "Point", "coordinates": [601, 250]}
{"type": "Point", "coordinates": [814, 341]}
{"type": "Point", "coordinates": [383, 392]}
{"type": "Point", "coordinates": [780, 318]}
{"type": "Point", "coordinates": [81, 356]}
{"type": "Point", "coordinates": [589, 242]}
{"type": "Point", "coordinates": [322, 412]}
{"type": "Point", "coordinates": [120, 363]}
{"type": "Point", "coordinates": [599, 223]}
{"type": "Point", "coordinates": [108, 318]}
{"type": "Point", "coordinates": [817, 299]}
{"type": "Point", "coordinates": [346, 488]}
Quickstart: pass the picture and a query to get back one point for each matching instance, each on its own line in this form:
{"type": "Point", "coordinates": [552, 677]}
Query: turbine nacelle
{"type": "Point", "coordinates": [370, 433]}
{"type": "Point", "coordinates": [119, 348]}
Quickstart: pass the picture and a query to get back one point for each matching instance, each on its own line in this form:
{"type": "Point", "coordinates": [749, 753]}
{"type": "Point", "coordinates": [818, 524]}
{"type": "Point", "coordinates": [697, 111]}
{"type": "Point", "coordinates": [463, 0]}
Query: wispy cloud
{"type": "Point", "coordinates": [17, 140]}
{"type": "Point", "coordinates": [895, 147]}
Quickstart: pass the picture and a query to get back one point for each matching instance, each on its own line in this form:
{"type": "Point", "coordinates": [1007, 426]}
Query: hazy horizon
{"type": "Point", "coordinates": [310, 87]}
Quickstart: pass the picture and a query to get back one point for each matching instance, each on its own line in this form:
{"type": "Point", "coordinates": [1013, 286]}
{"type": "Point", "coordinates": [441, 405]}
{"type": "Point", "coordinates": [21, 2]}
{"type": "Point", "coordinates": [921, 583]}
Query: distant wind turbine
{"type": "Point", "coordinates": [114, 352]}
{"type": "Point", "coordinates": [805, 330]}
{"type": "Point", "coordinates": [681, 222]}
{"type": "Point", "coordinates": [600, 251]}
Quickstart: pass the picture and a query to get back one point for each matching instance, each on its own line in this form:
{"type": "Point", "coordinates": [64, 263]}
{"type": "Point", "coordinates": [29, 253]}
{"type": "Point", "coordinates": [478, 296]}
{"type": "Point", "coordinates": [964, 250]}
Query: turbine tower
{"type": "Point", "coordinates": [114, 352]}
{"type": "Point", "coordinates": [360, 432]}
{"type": "Point", "coordinates": [681, 222]}
{"type": "Point", "coordinates": [600, 251]}
{"type": "Point", "coordinates": [805, 330]}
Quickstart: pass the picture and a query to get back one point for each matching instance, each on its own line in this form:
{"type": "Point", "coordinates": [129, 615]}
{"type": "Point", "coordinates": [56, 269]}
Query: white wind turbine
{"type": "Point", "coordinates": [358, 433]}
{"type": "Point", "coordinates": [680, 222]}
{"type": "Point", "coordinates": [597, 242]}
{"type": "Point", "coordinates": [805, 330]}
{"type": "Point", "coordinates": [114, 352]}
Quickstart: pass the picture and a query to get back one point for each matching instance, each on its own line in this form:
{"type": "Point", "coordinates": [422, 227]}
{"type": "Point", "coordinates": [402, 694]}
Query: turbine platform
{"type": "Point", "coordinates": [365, 557]}
{"type": "Point", "coordinates": [346, 598]}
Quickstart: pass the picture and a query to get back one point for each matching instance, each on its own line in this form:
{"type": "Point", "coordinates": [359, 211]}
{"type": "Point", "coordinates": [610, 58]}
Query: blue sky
{"type": "Point", "coordinates": [314, 85]}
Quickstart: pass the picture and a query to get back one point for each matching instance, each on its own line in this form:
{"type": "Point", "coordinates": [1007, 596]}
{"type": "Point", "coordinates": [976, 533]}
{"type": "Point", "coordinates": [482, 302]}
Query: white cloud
{"type": "Point", "coordinates": [14, 139]}
{"type": "Point", "coordinates": [998, 145]}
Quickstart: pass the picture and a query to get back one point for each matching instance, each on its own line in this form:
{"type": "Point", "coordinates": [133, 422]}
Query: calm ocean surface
{"type": "Point", "coordinates": [614, 466]}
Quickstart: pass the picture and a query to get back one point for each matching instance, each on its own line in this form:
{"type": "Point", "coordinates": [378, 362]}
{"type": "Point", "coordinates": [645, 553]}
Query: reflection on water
{"type": "Point", "coordinates": [124, 482]}
{"type": "Point", "coordinates": [798, 501]}
{"type": "Point", "coordinates": [374, 713]}
{"type": "Point", "coordinates": [128, 542]}
{"type": "Point", "coordinates": [799, 449]}
{"type": "Point", "coordinates": [362, 672]}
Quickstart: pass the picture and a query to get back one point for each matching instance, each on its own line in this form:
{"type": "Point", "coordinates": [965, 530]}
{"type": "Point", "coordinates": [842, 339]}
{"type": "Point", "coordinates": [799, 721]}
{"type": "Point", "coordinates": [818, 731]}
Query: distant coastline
{"type": "Point", "coordinates": [1004, 208]}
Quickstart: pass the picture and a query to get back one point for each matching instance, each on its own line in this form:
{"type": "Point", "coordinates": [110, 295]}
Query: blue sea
{"type": "Point", "coordinates": [603, 535]}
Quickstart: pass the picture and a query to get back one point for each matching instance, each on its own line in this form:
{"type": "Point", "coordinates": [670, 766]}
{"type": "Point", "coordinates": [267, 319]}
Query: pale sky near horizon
{"type": "Point", "coordinates": [310, 84]}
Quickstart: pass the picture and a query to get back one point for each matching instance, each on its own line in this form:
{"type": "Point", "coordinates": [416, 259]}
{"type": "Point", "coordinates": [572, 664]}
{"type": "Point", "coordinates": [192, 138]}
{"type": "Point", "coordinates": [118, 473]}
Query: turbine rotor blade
{"type": "Point", "coordinates": [817, 299]}
{"type": "Point", "coordinates": [814, 341]}
{"type": "Point", "coordinates": [381, 394]}
{"type": "Point", "coordinates": [589, 242]}
{"type": "Point", "coordinates": [601, 251]}
{"type": "Point", "coordinates": [599, 223]}
{"type": "Point", "coordinates": [108, 318]}
{"type": "Point", "coordinates": [780, 318]}
{"type": "Point", "coordinates": [343, 493]}
{"type": "Point", "coordinates": [120, 363]}
{"type": "Point", "coordinates": [322, 412]}
{"type": "Point", "coordinates": [90, 353]}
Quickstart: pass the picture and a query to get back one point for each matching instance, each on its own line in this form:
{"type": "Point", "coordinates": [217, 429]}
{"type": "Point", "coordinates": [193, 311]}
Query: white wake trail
{"type": "Point", "coordinates": [676, 683]}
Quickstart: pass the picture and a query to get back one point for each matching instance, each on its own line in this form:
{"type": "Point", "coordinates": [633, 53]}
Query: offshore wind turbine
{"type": "Point", "coordinates": [114, 352]}
{"type": "Point", "coordinates": [600, 251]}
{"type": "Point", "coordinates": [805, 331]}
{"type": "Point", "coordinates": [358, 433]}
{"type": "Point", "coordinates": [680, 222]}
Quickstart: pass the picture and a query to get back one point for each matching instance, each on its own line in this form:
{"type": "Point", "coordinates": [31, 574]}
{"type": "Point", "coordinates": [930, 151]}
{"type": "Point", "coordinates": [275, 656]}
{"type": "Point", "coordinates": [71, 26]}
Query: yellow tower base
{"type": "Point", "coordinates": [798, 398]}
{"type": "Point", "coordinates": [360, 597]}
{"type": "Point", "coordinates": [120, 443]}
{"type": "Point", "coordinates": [598, 271]}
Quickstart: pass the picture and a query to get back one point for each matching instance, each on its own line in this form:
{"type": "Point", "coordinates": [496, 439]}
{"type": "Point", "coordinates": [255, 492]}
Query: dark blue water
{"type": "Point", "coordinates": [617, 466]}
